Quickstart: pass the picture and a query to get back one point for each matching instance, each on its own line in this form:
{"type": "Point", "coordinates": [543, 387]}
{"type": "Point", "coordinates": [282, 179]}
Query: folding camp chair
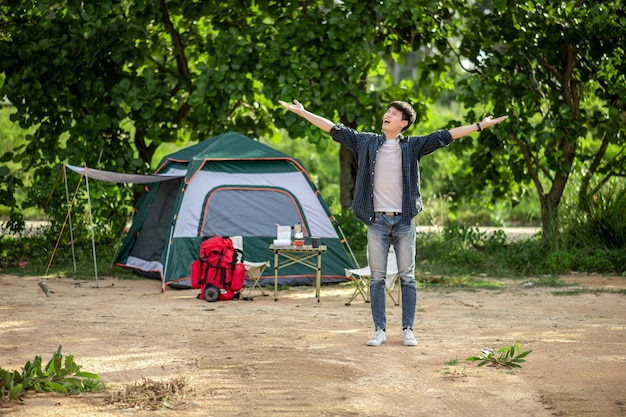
{"type": "Point", "coordinates": [254, 270]}
{"type": "Point", "coordinates": [361, 278]}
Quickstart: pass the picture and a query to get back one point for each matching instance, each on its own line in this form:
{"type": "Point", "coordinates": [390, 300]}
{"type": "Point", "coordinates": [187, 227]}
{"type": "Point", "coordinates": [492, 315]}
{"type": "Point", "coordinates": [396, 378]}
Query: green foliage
{"type": "Point", "coordinates": [105, 86]}
{"type": "Point", "coordinates": [32, 250]}
{"type": "Point", "coordinates": [458, 249]}
{"type": "Point", "coordinates": [56, 375]}
{"type": "Point", "coordinates": [521, 257]}
{"type": "Point", "coordinates": [462, 250]}
{"type": "Point", "coordinates": [13, 191]}
{"type": "Point", "coordinates": [509, 357]}
{"type": "Point", "coordinates": [556, 70]}
{"type": "Point", "coordinates": [31, 255]}
{"type": "Point", "coordinates": [602, 223]}
{"type": "Point", "coordinates": [560, 261]}
{"type": "Point", "coordinates": [112, 86]}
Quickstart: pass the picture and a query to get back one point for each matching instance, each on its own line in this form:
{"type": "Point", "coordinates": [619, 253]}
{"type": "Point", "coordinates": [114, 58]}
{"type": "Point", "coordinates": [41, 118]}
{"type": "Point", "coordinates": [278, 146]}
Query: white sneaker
{"type": "Point", "coordinates": [378, 339]}
{"type": "Point", "coordinates": [407, 337]}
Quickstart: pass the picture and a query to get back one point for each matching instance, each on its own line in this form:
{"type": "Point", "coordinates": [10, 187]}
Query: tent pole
{"type": "Point", "coordinates": [167, 254]}
{"type": "Point", "coordinates": [69, 215]}
{"type": "Point", "coordinates": [124, 232]}
{"type": "Point", "coordinates": [93, 239]}
{"type": "Point", "coordinates": [56, 246]}
{"type": "Point", "coordinates": [343, 237]}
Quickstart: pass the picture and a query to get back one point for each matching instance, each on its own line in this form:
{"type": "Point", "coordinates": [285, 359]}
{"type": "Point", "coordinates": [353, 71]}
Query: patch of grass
{"type": "Point", "coordinates": [550, 281]}
{"type": "Point", "coordinates": [586, 290]}
{"type": "Point", "coordinates": [462, 282]}
{"type": "Point", "coordinates": [452, 362]}
{"type": "Point", "coordinates": [451, 370]}
{"type": "Point", "coordinates": [88, 385]}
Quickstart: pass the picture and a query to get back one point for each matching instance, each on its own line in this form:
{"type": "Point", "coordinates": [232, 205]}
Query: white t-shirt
{"type": "Point", "coordinates": [388, 178]}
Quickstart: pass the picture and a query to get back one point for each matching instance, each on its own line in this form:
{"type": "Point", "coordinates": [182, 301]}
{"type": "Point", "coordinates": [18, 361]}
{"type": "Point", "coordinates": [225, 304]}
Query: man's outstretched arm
{"type": "Point", "coordinates": [314, 119]}
{"type": "Point", "coordinates": [459, 132]}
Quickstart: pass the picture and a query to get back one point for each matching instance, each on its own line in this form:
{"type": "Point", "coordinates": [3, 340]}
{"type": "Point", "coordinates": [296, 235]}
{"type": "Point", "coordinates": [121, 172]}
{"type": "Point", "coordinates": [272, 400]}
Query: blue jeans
{"type": "Point", "coordinates": [383, 232]}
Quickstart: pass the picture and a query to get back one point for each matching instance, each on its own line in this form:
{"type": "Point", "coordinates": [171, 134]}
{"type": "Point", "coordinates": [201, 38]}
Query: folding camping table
{"type": "Point", "coordinates": [298, 255]}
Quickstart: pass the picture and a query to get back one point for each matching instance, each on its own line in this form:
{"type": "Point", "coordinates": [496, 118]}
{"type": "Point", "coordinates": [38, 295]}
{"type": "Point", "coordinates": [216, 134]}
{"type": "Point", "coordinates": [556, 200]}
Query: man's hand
{"type": "Point", "coordinates": [296, 107]}
{"type": "Point", "coordinates": [490, 121]}
{"type": "Point", "coordinates": [314, 119]}
{"type": "Point", "coordinates": [459, 132]}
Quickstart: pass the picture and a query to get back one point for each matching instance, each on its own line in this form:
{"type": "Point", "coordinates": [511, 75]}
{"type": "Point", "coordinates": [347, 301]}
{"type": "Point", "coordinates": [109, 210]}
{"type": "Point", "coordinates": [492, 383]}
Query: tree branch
{"type": "Point", "coordinates": [569, 87]}
{"type": "Point", "coordinates": [538, 85]}
{"type": "Point", "coordinates": [179, 47]}
{"type": "Point", "coordinates": [528, 159]}
{"type": "Point", "coordinates": [181, 59]}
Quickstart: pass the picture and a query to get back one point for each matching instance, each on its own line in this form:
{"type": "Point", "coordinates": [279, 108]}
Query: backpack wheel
{"type": "Point", "coordinates": [211, 293]}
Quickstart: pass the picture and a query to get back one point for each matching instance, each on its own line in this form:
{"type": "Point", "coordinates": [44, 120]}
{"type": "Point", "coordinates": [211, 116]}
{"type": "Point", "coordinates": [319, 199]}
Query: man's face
{"type": "Point", "coordinates": [392, 121]}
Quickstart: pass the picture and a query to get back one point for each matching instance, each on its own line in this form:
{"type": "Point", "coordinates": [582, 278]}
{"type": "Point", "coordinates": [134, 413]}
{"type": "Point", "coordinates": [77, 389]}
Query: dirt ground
{"type": "Point", "coordinates": [300, 357]}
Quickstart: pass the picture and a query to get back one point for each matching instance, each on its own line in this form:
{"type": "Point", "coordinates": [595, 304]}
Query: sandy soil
{"type": "Point", "coordinates": [300, 357]}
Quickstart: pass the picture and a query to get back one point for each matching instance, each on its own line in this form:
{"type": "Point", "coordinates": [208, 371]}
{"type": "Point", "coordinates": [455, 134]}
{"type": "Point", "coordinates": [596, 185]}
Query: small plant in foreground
{"type": "Point", "coordinates": [509, 357]}
{"type": "Point", "coordinates": [452, 362]}
{"type": "Point", "coordinates": [55, 376]}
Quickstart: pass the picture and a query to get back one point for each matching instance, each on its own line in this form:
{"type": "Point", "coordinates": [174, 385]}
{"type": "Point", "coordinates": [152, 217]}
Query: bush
{"type": "Point", "coordinates": [464, 250]}
{"type": "Point", "coordinates": [525, 257]}
{"type": "Point", "coordinates": [560, 262]}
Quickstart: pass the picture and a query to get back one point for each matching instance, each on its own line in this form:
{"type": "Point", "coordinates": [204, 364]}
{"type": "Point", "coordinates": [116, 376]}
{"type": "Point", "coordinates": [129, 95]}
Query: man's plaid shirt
{"type": "Point", "coordinates": [365, 146]}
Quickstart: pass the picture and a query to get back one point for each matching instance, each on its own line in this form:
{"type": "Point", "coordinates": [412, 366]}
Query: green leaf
{"type": "Point", "coordinates": [16, 391]}
{"type": "Point", "coordinates": [7, 157]}
{"type": "Point", "coordinates": [87, 375]}
{"type": "Point", "coordinates": [524, 354]}
{"type": "Point", "coordinates": [54, 386]}
{"type": "Point", "coordinates": [77, 382]}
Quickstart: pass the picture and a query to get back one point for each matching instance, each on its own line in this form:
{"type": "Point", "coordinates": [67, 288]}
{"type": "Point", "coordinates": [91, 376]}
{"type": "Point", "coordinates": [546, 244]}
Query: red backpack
{"type": "Point", "coordinates": [220, 272]}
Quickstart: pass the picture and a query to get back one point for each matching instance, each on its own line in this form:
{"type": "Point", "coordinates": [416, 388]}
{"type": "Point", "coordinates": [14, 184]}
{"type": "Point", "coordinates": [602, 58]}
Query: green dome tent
{"type": "Point", "coordinates": [229, 185]}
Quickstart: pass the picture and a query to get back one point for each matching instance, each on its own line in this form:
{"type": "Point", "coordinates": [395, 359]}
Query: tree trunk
{"type": "Point", "coordinates": [347, 176]}
{"type": "Point", "coordinates": [549, 221]}
{"type": "Point", "coordinates": [550, 211]}
{"type": "Point", "coordinates": [146, 152]}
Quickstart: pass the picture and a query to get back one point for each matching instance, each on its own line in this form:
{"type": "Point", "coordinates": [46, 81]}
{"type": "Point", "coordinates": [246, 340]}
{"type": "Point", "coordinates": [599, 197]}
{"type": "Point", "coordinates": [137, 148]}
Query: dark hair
{"type": "Point", "coordinates": [408, 113]}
